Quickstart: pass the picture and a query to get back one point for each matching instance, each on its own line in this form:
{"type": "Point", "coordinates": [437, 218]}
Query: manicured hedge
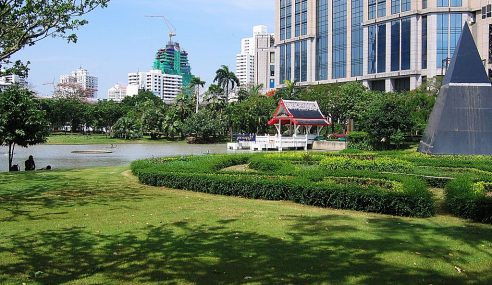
{"type": "Point", "coordinates": [410, 199]}
{"type": "Point", "coordinates": [469, 200]}
{"type": "Point", "coordinates": [379, 164]}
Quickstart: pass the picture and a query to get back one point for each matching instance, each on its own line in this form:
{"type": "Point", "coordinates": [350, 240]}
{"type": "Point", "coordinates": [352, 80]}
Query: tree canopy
{"type": "Point", "coordinates": [25, 22]}
{"type": "Point", "coordinates": [22, 121]}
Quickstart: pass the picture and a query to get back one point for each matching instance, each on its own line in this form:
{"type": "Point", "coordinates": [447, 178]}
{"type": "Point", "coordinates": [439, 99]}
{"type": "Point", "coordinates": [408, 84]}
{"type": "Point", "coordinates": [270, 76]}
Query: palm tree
{"type": "Point", "coordinates": [252, 91]}
{"type": "Point", "coordinates": [196, 83]}
{"type": "Point", "coordinates": [226, 79]}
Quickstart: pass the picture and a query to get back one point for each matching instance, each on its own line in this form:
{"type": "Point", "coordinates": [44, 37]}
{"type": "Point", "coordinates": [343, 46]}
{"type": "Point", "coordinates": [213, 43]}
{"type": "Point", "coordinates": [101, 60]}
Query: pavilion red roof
{"type": "Point", "coordinates": [302, 113]}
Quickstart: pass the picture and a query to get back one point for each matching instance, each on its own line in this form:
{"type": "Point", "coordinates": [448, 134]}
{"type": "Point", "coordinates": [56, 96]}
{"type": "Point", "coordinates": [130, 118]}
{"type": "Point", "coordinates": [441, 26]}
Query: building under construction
{"type": "Point", "coordinates": [173, 60]}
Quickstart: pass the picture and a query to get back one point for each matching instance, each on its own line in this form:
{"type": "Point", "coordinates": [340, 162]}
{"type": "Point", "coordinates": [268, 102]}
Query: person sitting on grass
{"type": "Point", "coordinates": [29, 164]}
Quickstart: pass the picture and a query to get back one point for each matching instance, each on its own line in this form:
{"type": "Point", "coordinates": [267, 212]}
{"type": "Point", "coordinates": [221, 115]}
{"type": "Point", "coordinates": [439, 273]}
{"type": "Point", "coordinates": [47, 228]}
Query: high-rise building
{"type": "Point", "coordinates": [117, 93]}
{"type": "Point", "coordinates": [9, 80]}
{"type": "Point", "coordinates": [172, 60]}
{"type": "Point", "coordinates": [79, 80]}
{"type": "Point", "coordinates": [255, 64]}
{"type": "Point", "coordinates": [165, 86]}
{"type": "Point", "coordinates": [389, 45]}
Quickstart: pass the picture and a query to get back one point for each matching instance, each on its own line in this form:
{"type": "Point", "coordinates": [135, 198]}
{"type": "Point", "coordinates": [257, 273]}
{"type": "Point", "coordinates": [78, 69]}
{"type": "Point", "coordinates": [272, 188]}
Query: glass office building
{"type": "Point", "coordinates": [389, 45]}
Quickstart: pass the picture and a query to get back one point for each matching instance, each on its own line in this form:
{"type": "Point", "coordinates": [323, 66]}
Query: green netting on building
{"type": "Point", "coordinates": [172, 60]}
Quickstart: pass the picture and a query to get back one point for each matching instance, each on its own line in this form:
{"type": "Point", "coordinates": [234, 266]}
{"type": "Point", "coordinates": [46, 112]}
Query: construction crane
{"type": "Point", "coordinates": [171, 28]}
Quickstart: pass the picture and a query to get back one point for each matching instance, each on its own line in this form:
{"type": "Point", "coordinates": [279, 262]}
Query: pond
{"type": "Point", "coordinates": [83, 156]}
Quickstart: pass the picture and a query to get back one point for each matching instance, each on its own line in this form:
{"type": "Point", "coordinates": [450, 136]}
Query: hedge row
{"type": "Point", "coordinates": [413, 199]}
{"type": "Point", "coordinates": [469, 200]}
{"type": "Point", "coordinates": [378, 164]}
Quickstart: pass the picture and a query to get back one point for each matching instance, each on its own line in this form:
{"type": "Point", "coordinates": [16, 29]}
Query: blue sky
{"type": "Point", "coordinates": [120, 39]}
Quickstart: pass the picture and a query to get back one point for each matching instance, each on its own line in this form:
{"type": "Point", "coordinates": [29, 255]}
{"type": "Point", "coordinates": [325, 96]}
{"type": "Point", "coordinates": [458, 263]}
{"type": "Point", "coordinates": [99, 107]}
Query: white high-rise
{"type": "Point", "coordinates": [117, 93]}
{"type": "Point", "coordinates": [8, 80]}
{"type": "Point", "coordinates": [255, 64]}
{"type": "Point", "coordinates": [80, 78]}
{"type": "Point", "coordinates": [165, 86]}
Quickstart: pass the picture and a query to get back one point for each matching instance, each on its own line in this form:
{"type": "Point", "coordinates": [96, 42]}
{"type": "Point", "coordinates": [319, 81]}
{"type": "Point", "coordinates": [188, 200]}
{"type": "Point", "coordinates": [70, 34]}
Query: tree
{"type": "Point", "coordinates": [106, 113]}
{"type": "Point", "coordinates": [22, 121]}
{"type": "Point", "coordinates": [195, 83]}
{"type": "Point", "coordinates": [252, 91]}
{"type": "Point", "coordinates": [153, 120]}
{"type": "Point", "coordinates": [205, 126]}
{"type": "Point", "coordinates": [386, 118]}
{"type": "Point", "coordinates": [25, 22]}
{"type": "Point", "coordinates": [226, 79]}
{"type": "Point", "coordinates": [128, 127]}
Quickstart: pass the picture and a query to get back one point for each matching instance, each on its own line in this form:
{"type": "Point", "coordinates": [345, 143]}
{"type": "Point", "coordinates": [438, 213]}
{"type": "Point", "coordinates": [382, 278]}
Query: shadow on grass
{"type": "Point", "coordinates": [23, 194]}
{"type": "Point", "coordinates": [313, 252]}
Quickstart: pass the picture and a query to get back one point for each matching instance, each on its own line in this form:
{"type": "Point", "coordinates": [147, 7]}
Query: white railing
{"type": "Point", "coordinates": [274, 142]}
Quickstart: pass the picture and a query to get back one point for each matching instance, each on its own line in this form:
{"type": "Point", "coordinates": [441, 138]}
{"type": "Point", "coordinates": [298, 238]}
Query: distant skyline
{"type": "Point", "coordinates": [120, 39]}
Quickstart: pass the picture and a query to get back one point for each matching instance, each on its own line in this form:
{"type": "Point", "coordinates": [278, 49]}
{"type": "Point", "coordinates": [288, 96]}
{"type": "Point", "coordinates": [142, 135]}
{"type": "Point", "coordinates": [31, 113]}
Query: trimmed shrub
{"type": "Point", "coordinates": [409, 198]}
{"type": "Point", "coordinates": [469, 200]}
{"type": "Point", "coordinates": [379, 164]}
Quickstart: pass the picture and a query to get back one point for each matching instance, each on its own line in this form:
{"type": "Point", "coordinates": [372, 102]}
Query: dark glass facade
{"type": "Point", "coordinates": [449, 3]}
{"type": "Point", "coordinates": [371, 8]}
{"type": "Point", "coordinates": [339, 39]}
{"type": "Point", "coordinates": [395, 45]}
{"type": "Point", "coordinates": [300, 61]}
{"type": "Point", "coordinates": [357, 60]}
{"type": "Point", "coordinates": [301, 18]}
{"type": "Point", "coordinates": [381, 8]}
{"type": "Point", "coordinates": [424, 42]}
{"type": "Point", "coordinates": [381, 50]}
{"type": "Point", "coordinates": [398, 6]}
{"type": "Point", "coordinates": [372, 48]}
{"type": "Point", "coordinates": [449, 28]}
{"type": "Point", "coordinates": [406, 36]}
{"type": "Point", "coordinates": [285, 63]}
{"type": "Point", "coordinates": [285, 19]}
{"type": "Point", "coordinates": [322, 40]}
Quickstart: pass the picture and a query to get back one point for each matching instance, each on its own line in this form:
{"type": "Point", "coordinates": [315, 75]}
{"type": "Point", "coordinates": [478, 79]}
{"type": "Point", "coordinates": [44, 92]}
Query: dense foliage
{"type": "Point", "coordinates": [22, 121]}
{"type": "Point", "coordinates": [26, 22]}
{"type": "Point", "coordinates": [469, 199]}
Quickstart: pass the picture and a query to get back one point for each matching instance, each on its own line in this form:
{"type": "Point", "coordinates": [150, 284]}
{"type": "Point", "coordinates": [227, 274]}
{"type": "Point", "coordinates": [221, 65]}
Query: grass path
{"type": "Point", "coordinates": [100, 226]}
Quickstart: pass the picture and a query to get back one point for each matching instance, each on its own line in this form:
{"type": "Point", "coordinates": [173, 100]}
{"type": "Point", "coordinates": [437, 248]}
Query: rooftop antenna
{"type": "Point", "coordinates": [170, 27]}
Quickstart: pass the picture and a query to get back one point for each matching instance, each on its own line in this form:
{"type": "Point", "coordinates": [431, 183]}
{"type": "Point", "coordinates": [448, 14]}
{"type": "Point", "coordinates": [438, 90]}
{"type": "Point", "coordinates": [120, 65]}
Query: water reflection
{"type": "Point", "coordinates": [61, 156]}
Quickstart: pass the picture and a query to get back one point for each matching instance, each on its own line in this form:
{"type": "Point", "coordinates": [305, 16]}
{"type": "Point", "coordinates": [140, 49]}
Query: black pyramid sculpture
{"type": "Point", "coordinates": [461, 121]}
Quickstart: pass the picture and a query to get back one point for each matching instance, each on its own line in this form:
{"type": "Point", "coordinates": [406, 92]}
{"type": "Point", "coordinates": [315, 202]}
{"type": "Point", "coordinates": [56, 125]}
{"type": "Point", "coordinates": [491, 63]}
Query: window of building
{"type": "Point", "coordinates": [372, 9]}
{"type": "Point", "coordinates": [304, 57]}
{"type": "Point", "coordinates": [372, 45]}
{"type": "Point", "coordinates": [381, 52]}
{"type": "Point", "coordinates": [381, 8]}
{"type": "Point", "coordinates": [288, 62]}
{"type": "Point", "coordinates": [339, 44]}
{"type": "Point", "coordinates": [285, 19]}
{"type": "Point", "coordinates": [282, 64]}
{"type": "Point", "coordinates": [424, 4]}
{"type": "Point", "coordinates": [395, 6]}
{"type": "Point", "coordinates": [395, 45]}
{"type": "Point", "coordinates": [449, 28]}
{"type": "Point", "coordinates": [490, 43]}
{"type": "Point", "coordinates": [449, 3]}
{"type": "Point", "coordinates": [357, 60]}
{"type": "Point", "coordinates": [424, 42]}
{"type": "Point", "coordinates": [406, 5]}
{"type": "Point", "coordinates": [322, 40]}
{"type": "Point", "coordinates": [297, 61]}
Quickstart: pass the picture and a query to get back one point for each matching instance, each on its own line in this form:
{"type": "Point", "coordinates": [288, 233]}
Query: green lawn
{"type": "Point", "coordinates": [99, 226]}
{"type": "Point", "coordinates": [78, 139]}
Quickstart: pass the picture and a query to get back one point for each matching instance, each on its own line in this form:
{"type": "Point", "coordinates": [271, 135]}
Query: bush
{"type": "Point", "coordinates": [378, 164]}
{"type": "Point", "coordinates": [469, 200]}
{"type": "Point", "coordinates": [409, 198]}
